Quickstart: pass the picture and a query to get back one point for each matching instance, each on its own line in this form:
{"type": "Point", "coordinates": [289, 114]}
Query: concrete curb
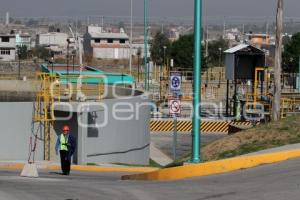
{"type": "Point", "coordinates": [19, 166]}
{"type": "Point", "coordinates": [214, 167]}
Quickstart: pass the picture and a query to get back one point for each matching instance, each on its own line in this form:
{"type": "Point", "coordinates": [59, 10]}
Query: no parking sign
{"type": "Point", "coordinates": [175, 81]}
{"type": "Point", "coordinates": [174, 106]}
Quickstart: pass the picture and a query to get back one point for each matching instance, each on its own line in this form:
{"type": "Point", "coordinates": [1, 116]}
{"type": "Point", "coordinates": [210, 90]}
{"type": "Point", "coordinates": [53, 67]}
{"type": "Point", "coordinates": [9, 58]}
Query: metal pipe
{"type": "Point", "coordinates": [197, 83]}
{"type": "Point", "coordinates": [227, 98]}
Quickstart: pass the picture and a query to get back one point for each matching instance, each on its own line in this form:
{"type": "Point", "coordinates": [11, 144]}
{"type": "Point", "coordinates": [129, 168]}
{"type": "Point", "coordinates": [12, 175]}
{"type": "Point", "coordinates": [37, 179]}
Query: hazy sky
{"type": "Point", "coordinates": [161, 8]}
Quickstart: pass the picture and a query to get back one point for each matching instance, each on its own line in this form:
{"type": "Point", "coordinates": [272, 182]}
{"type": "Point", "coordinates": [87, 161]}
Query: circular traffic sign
{"type": "Point", "coordinates": [175, 82]}
{"type": "Point", "coordinates": [175, 106]}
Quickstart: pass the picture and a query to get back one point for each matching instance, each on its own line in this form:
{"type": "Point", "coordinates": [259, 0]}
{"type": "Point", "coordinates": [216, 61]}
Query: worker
{"type": "Point", "coordinates": [65, 145]}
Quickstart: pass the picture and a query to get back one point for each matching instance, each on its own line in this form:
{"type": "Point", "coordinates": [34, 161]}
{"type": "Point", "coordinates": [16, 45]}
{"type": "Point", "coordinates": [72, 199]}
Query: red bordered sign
{"type": "Point", "coordinates": [174, 106]}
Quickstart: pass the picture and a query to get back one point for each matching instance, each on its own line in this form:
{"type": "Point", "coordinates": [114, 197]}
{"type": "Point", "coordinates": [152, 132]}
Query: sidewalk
{"type": "Point", "coordinates": [52, 166]}
{"type": "Point", "coordinates": [276, 149]}
{"type": "Point", "coordinates": [269, 156]}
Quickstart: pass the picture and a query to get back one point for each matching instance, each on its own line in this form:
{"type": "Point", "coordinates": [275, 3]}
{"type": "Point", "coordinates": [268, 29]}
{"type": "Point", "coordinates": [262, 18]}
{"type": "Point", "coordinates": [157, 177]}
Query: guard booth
{"type": "Point", "coordinates": [245, 67]}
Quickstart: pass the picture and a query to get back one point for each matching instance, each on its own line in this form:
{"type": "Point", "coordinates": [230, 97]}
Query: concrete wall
{"type": "Point", "coordinates": [118, 141]}
{"type": "Point", "coordinates": [59, 39]}
{"type": "Point", "coordinates": [8, 57]}
{"type": "Point", "coordinates": [15, 132]}
{"type": "Point", "coordinates": [111, 53]}
{"type": "Point", "coordinates": [10, 44]}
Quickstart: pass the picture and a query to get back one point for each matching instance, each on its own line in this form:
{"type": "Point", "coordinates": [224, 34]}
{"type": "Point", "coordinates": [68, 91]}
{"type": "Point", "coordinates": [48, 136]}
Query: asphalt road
{"type": "Point", "coordinates": [269, 182]}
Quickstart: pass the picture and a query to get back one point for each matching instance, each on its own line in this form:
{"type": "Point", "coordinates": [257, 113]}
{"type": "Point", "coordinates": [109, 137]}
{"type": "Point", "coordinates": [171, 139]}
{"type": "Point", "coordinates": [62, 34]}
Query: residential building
{"type": "Point", "coordinates": [106, 45]}
{"type": "Point", "coordinates": [7, 47]}
{"type": "Point", "coordinates": [23, 39]}
{"type": "Point", "coordinates": [258, 39]}
{"type": "Point", "coordinates": [140, 47]}
{"type": "Point", "coordinates": [52, 39]}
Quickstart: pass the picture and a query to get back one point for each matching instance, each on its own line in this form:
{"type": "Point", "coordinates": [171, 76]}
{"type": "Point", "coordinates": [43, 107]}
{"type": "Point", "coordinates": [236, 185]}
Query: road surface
{"type": "Point", "coordinates": [268, 182]}
{"type": "Point", "coordinates": [164, 141]}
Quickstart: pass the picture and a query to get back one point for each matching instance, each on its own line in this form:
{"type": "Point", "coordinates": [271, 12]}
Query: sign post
{"type": "Point", "coordinates": [175, 110]}
{"type": "Point", "coordinates": [175, 137]}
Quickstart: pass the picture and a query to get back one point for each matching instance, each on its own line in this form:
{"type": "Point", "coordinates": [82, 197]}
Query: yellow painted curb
{"type": "Point", "coordinates": [214, 167]}
{"type": "Point", "coordinates": [113, 169]}
{"type": "Point", "coordinates": [19, 166]}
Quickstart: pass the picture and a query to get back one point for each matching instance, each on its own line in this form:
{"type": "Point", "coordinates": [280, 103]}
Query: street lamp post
{"type": "Point", "coordinates": [139, 52]}
{"type": "Point", "coordinates": [165, 48]}
{"type": "Point", "coordinates": [68, 49]}
{"type": "Point", "coordinates": [220, 56]}
{"type": "Point", "coordinates": [196, 139]}
{"type": "Point", "coordinates": [52, 60]}
{"type": "Point", "coordinates": [19, 65]}
{"type": "Point", "coordinates": [220, 73]}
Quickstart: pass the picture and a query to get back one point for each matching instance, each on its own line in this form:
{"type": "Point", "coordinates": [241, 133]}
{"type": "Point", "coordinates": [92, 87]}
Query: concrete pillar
{"type": "Point", "coordinates": [82, 136]}
{"type": "Point", "coordinates": [7, 19]}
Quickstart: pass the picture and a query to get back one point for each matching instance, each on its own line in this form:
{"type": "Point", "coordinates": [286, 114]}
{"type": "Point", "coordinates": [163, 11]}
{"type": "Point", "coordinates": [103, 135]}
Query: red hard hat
{"type": "Point", "coordinates": [66, 128]}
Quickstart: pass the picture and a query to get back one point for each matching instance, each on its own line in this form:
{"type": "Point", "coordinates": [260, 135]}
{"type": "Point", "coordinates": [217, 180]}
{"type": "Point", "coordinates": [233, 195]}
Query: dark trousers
{"type": "Point", "coordinates": [65, 162]}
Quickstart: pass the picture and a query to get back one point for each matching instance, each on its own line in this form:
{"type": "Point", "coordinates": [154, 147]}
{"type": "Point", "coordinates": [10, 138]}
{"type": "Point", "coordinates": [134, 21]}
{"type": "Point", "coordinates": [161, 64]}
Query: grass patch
{"type": "Point", "coordinates": [91, 164]}
{"type": "Point", "coordinates": [152, 163]}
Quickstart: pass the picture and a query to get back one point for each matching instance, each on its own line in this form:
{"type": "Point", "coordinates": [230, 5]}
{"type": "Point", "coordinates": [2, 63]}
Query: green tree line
{"type": "Point", "coordinates": [181, 51]}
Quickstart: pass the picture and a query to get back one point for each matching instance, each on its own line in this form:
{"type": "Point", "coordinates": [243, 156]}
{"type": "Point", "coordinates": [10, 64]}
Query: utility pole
{"type": "Point", "coordinates": [19, 65]}
{"type": "Point", "coordinates": [131, 27]}
{"type": "Point", "coordinates": [278, 58]}
{"type": "Point", "coordinates": [146, 43]}
{"type": "Point", "coordinates": [224, 28]}
{"type": "Point", "coordinates": [196, 133]}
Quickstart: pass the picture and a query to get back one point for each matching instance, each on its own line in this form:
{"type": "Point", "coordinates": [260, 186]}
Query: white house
{"type": "Point", "coordinates": [7, 47]}
{"type": "Point", "coordinates": [52, 39]}
{"type": "Point", "coordinates": [104, 45]}
{"type": "Point", "coordinates": [23, 39]}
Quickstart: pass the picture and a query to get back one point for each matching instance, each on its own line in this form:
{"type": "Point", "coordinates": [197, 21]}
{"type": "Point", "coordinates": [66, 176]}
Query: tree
{"type": "Point", "coordinates": [22, 52]}
{"type": "Point", "coordinates": [52, 28]}
{"type": "Point", "coordinates": [214, 48]}
{"type": "Point", "coordinates": [121, 25]}
{"type": "Point", "coordinates": [41, 52]}
{"type": "Point", "coordinates": [291, 54]}
{"type": "Point", "coordinates": [182, 52]}
{"type": "Point", "coordinates": [32, 23]}
{"type": "Point", "coordinates": [160, 48]}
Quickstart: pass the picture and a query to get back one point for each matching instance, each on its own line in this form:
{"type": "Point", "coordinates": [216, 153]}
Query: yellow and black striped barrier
{"type": "Point", "coordinates": [186, 126]}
